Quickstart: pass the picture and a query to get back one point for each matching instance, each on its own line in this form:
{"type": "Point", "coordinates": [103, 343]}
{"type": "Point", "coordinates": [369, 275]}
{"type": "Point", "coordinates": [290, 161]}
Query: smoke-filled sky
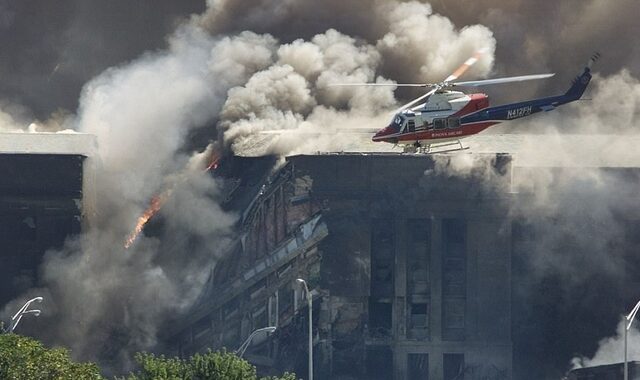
{"type": "Point", "coordinates": [51, 49]}
{"type": "Point", "coordinates": [148, 77]}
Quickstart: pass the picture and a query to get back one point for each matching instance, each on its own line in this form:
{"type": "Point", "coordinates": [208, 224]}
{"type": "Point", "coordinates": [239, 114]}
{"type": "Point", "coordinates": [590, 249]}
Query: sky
{"type": "Point", "coordinates": [51, 49]}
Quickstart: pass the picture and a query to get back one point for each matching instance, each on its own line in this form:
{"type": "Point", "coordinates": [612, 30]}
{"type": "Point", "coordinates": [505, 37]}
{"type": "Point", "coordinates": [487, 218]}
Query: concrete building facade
{"type": "Point", "coordinates": [45, 192]}
{"type": "Point", "coordinates": [409, 270]}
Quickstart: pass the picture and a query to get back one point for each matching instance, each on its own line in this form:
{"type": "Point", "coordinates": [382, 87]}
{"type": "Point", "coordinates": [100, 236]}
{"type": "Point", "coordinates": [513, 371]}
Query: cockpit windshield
{"type": "Point", "coordinates": [397, 121]}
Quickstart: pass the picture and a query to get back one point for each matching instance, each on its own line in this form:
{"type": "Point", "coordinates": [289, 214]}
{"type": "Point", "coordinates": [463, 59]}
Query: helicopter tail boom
{"type": "Point", "coordinates": [581, 82]}
{"type": "Point", "coordinates": [521, 109]}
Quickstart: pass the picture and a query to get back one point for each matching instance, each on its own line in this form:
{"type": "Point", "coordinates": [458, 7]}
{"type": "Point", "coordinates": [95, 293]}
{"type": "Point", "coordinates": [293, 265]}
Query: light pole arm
{"type": "Point", "coordinates": [310, 306]}
{"type": "Point", "coordinates": [631, 317]}
{"type": "Point", "coordinates": [628, 322]}
{"type": "Point", "coordinates": [243, 347]}
{"type": "Point", "coordinates": [23, 311]}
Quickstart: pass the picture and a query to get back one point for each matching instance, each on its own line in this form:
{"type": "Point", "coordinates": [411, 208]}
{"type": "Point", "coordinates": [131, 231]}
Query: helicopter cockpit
{"type": "Point", "coordinates": [401, 120]}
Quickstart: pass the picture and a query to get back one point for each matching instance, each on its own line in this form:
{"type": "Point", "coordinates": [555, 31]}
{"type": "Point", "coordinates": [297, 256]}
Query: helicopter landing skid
{"type": "Point", "coordinates": [435, 148]}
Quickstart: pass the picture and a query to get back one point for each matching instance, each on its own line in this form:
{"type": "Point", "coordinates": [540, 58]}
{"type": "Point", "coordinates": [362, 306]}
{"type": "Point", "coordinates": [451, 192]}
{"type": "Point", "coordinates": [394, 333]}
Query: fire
{"type": "Point", "coordinates": [213, 164]}
{"type": "Point", "coordinates": [154, 207]}
{"type": "Point", "coordinates": [159, 200]}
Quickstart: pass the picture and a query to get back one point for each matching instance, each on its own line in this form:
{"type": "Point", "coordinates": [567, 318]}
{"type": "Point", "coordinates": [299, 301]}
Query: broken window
{"type": "Point", "coordinates": [453, 366]}
{"type": "Point", "coordinates": [454, 313]}
{"type": "Point", "coordinates": [379, 363]}
{"type": "Point", "coordinates": [231, 336]}
{"type": "Point", "coordinates": [418, 323]}
{"type": "Point", "coordinates": [285, 299]}
{"type": "Point", "coordinates": [382, 257]}
{"type": "Point", "coordinates": [258, 289]}
{"type": "Point", "coordinates": [453, 237]}
{"type": "Point", "coordinates": [272, 309]}
{"type": "Point", "coordinates": [418, 252]}
{"type": "Point", "coordinates": [454, 282]}
{"type": "Point", "coordinates": [230, 309]}
{"type": "Point", "coordinates": [201, 327]}
{"type": "Point", "coordinates": [418, 367]}
{"type": "Point", "coordinates": [380, 318]}
{"type": "Point", "coordinates": [260, 317]}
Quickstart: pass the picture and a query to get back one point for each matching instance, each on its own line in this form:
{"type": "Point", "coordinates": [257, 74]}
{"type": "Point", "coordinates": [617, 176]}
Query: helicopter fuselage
{"type": "Point", "coordinates": [438, 120]}
{"type": "Point", "coordinates": [452, 115]}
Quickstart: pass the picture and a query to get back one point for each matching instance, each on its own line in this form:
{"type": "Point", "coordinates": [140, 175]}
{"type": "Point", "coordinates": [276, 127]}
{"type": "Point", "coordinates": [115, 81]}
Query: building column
{"type": "Point", "coordinates": [435, 356]}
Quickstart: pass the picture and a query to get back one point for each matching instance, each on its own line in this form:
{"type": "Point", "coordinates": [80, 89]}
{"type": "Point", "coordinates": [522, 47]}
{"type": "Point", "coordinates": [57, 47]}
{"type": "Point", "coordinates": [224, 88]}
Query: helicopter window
{"type": "Point", "coordinates": [439, 123]}
{"type": "Point", "coordinates": [425, 125]}
{"type": "Point", "coordinates": [411, 126]}
{"type": "Point", "coordinates": [453, 122]}
{"type": "Point", "coordinates": [398, 121]}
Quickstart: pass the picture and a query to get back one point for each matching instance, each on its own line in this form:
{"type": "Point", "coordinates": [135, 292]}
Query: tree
{"type": "Point", "coordinates": [24, 358]}
{"type": "Point", "coordinates": [208, 366]}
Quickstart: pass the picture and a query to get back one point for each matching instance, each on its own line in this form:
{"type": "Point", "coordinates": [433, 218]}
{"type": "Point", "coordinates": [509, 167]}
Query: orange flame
{"type": "Point", "coordinates": [158, 201]}
{"type": "Point", "coordinates": [215, 159]}
{"type": "Point", "coordinates": [154, 207]}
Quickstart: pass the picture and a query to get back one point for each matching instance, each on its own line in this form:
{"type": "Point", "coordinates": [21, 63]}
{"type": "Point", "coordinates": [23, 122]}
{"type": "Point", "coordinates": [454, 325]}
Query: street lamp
{"type": "Point", "coordinates": [240, 351]}
{"type": "Point", "coordinates": [629, 318]}
{"type": "Point", "coordinates": [23, 311]}
{"type": "Point", "coordinates": [309, 303]}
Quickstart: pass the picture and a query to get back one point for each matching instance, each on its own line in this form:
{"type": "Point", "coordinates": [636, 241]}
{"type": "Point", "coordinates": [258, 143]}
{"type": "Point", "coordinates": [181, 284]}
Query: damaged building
{"type": "Point", "coordinates": [408, 267]}
{"type": "Point", "coordinates": [416, 270]}
{"type": "Point", "coordinates": [45, 192]}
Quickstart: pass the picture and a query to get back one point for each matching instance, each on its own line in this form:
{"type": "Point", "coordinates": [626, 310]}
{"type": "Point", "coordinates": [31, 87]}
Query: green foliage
{"type": "Point", "coordinates": [26, 358]}
{"type": "Point", "coordinates": [23, 358]}
{"type": "Point", "coordinates": [208, 366]}
{"type": "Point", "coordinates": [286, 376]}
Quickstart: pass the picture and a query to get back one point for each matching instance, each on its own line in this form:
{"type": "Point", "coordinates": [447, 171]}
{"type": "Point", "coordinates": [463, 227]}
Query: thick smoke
{"type": "Point", "coordinates": [252, 66]}
{"type": "Point", "coordinates": [575, 210]}
{"type": "Point", "coordinates": [295, 92]}
{"type": "Point", "coordinates": [15, 118]}
{"type": "Point", "coordinates": [51, 49]}
{"type": "Point", "coordinates": [611, 349]}
{"type": "Point", "coordinates": [106, 302]}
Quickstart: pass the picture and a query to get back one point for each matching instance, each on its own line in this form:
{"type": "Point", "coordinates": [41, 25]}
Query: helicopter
{"type": "Point", "coordinates": [442, 117]}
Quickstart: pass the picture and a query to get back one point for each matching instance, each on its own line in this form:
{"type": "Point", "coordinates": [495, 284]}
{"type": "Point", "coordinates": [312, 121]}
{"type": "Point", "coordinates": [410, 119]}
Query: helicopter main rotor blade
{"type": "Point", "coordinates": [416, 100]}
{"type": "Point", "coordinates": [381, 84]}
{"type": "Point", "coordinates": [484, 82]}
{"type": "Point", "coordinates": [466, 65]}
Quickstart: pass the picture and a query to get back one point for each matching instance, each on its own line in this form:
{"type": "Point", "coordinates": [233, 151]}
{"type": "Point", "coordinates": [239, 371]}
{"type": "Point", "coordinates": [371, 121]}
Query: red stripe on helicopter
{"type": "Point", "coordinates": [464, 131]}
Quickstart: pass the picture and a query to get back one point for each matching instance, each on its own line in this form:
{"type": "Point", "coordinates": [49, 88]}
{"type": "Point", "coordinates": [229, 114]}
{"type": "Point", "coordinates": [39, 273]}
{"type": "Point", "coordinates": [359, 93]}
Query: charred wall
{"type": "Point", "coordinates": [416, 263]}
{"type": "Point", "coordinates": [409, 269]}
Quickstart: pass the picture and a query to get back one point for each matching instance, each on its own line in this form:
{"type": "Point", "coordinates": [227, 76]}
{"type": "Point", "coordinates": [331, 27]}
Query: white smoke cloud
{"type": "Point", "coordinates": [106, 302]}
{"type": "Point", "coordinates": [15, 118]}
{"type": "Point", "coordinates": [611, 349]}
{"type": "Point", "coordinates": [295, 93]}
{"type": "Point", "coordinates": [427, 46]}
{"type": "Point", "coordinates": [7, 122]}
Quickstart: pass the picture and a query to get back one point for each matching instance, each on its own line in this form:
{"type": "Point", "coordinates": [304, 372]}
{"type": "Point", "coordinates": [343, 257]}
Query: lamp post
{"type": "Point", "coordinates": [628, 322]}
{"type": "Point", "coordinates": [23, 311]}
{"type": "Point", "coordinates": [309, 303]}
{"type": "Point", "coordinates": [243, 347]}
